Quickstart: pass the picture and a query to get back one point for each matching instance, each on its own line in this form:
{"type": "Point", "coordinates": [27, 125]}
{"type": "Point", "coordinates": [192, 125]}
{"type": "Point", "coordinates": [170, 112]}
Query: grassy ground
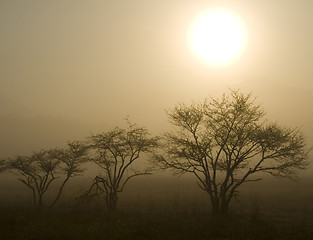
{"type": "Point", "coordinates": [95, 223]}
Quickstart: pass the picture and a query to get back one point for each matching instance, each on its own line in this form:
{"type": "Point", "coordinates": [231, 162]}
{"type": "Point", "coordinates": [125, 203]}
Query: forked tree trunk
{"type": "Point", "coordinates": [220, 209]}
{"type": "Point", "coordinates": [219, 206]}
{"type": "Point", "coordinates": [60, 191]}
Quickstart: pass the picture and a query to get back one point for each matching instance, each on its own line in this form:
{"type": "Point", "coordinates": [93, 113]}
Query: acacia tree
{"type": "Point", "coordinates": [39, 170]}
{"type": "Point", "coordinates": [3, 165]}
{"type": "Point", "coordinates": [71, 160]}
{"type": "Point", "coordinates": [115, 152]}
{"type": "Point", "coordinates": [226, 142]}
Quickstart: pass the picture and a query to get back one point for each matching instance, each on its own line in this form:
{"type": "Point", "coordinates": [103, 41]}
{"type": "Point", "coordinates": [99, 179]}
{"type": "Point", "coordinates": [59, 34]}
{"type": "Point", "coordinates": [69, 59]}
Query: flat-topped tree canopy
{"type": "Point", "coordinates": [225, 142]}
{"type": "Point", "coordinates": [40, 169]}
{"type": "Point", "coordinates": [115, 152]}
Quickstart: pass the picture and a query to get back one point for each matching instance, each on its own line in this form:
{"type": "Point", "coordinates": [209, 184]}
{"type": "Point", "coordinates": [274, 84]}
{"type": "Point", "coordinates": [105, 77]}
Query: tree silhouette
{"type": "Point", "coordinates": [226, 142]}
{"type": "Point", "coordinates": [71, 159]}
{"type": "Point", "coordinates": [39, 170]}
{"type": "Point", "coordinates": [3, 165]}
{"type": "Point", "coordinates": [115, 152]}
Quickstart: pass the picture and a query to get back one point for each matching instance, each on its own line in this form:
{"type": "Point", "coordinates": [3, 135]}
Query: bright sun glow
{"type": "Point", "coordinates": [217, 37]}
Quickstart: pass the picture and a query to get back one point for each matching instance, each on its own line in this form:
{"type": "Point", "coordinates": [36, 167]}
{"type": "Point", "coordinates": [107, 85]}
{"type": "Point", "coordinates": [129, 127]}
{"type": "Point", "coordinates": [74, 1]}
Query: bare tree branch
{"type": "Point", "coordinates": [115, 153]}
{"type": "Point", "coordinates": [223, 142]}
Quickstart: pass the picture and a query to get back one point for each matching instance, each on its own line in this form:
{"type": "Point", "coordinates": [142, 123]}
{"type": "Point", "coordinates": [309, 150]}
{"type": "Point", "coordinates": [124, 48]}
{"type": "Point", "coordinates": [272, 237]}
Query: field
{"type": "Point", "coordinates": [83, 223]}
{"type": "Point", "coordinates": [156, 211]}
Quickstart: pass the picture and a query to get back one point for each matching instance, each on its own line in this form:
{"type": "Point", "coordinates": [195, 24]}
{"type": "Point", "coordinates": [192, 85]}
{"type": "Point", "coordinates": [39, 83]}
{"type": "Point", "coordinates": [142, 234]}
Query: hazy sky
{"type": "Point", "coordinates": [71, 67]}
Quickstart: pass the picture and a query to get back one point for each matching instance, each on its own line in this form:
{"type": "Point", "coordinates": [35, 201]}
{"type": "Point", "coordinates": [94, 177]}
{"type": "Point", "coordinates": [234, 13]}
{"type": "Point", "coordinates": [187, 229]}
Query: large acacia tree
{"type": "Point", "coordinates": [226, 142]}
{"type": "Point", "coordinates": [116, 152]}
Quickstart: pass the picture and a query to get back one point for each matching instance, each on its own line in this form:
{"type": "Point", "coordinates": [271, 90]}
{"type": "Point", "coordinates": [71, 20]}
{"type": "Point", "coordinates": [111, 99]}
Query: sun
{"type": "Point", "coordinates": [217, 36]}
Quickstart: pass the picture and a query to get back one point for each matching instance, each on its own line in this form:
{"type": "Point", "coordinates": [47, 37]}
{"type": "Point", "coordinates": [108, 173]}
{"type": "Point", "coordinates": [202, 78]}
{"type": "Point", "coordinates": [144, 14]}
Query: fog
{"type": "Point", "coordinates": [73, 68]}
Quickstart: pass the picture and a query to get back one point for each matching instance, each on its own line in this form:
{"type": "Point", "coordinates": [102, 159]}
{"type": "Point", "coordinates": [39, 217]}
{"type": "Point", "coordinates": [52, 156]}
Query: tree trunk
{"type": "Point", "coordinates": [60, 192]}
{"type": "Point", "coordinates": [215, 206]}
{"type": "Point", "coordinates": [224, 208]}
{"type": "Point", "coordinates": [219, 206]}
{"type": "Point", "coordinates": [112, 201]}
{"type": "Point", "coordinates": [40, 203]}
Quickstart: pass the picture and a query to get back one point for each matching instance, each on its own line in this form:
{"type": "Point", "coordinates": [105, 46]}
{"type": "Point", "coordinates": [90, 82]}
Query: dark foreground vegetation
{"type": "Point", "coordinates": [97, 223]}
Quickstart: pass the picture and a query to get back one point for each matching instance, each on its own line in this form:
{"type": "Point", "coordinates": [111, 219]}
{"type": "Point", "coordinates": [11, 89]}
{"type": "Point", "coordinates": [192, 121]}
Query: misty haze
{"type": "Point", "coordinates": [156, 119]}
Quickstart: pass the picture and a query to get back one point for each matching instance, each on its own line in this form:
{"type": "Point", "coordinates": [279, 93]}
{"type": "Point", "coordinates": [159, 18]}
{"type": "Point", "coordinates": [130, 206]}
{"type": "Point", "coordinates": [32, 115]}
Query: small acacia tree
{"type": "Point", "coordinates": [3, 165]}
{"type": "Point", "coordinates": [115, 152]}
{"type": "Point", "coordinates": [225, 142]}
{"type": "Point", "coordinates": [39, 170]}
